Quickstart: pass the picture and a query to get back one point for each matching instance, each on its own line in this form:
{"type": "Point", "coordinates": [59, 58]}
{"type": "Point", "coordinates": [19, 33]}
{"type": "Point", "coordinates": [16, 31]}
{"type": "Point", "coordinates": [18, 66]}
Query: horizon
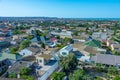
{"type": "Point", "coordinates": [59, 17]}
{"type": "Point", "coordinates": [60, 8]}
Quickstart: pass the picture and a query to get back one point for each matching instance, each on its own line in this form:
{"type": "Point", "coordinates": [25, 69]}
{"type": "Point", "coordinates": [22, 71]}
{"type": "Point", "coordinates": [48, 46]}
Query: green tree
{"type": "Point", "coordinates": [16, 32]}
{"type": "Point", "coordinates": [99, 67]}
{"type": "Point", "coordinates": [43, 45]}
{"type": "Point", "coordinates": [66, 40]}
{"type": "Point", "coordinates": [25, 71]}
{"type": "Point", "coordinates": [112, 70]}
{"type": "Point", "coordinates": [38, 33]}
{"type": "Point", "coordinates": [57, 75]}
{"type": "Point", "coordinates": [69, 63]}
{"type": "Point", "coordinates": [24, 44]}
{"type": "Point", "coordinates": [12, 75]}
{"type": "Point", "coordinates": [58, 37]}
{"type": "Point", "coordinates": [13, 50]}
{"type": "Point", "coordinates": [78, 75]}
{"type": "Point", "coordinates": [27, 77]}
{"type": "Point", "coordinates": [98, 78]}
{"type": "Point", "coordinates": [30, 37]}
{"type": "Point", "coordinates": [117, 77]}
{"type": "Point", "coordinates": [75, 33]}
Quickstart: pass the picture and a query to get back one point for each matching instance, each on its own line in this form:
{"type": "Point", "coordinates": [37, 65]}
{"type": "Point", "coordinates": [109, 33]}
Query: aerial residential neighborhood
{"type": "Point", "coordinates": [37, 51]}
{"type": "Point", "coordinates": [59, 39]}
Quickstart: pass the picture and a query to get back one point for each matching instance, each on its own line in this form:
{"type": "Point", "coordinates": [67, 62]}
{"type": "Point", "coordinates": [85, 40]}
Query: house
{"type": "Point", "coordinates": [115, 47]}
{"type": "Point", "coordinates": [51, 44]}
{"type": "Point", "coordinates": [13, 57]}
{"type": "Point", "coordinates": [33, 50]}
{"type": "Point", "coordinates": [46, 66]}
{"type": "Point", "coordinates": [38, 39]}
{"type": "Point", "coordinates": [53, 40]}
{"type": "Point", "coordinates": [63, 34]}
{"type": "Point", "coordinates": [20, 36]}
{"type": "Point", "coordinates": [66, 50]}
{"type": "Point", "coordinates": [79, 38]}
{"type": "Point", "coordinates": [4, 44]}
{"type": "Point", "coordinates": [90, 50]}
{"type": "Point", "coordinates": [93, 43]}
{"type": "Point", "coordinates": [16, 67]}
{"type": "Point", "coordinates": [2, 39]}
{"type": "Point", "coordinates": [96, 35]}
{"type": "Point", "coordinates": [15, 37]}
{"type": "Point", "coordinates": [4, 65]}
{"type": "Point", "coordinates": [43, 59]}
{"type": "Point", "coordinates": [106, 59]}
{"type": "Point", "coordinates": [99, 35]}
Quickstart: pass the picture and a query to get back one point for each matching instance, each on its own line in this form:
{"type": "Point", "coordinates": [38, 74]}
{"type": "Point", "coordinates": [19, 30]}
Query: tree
{"type": "Point", "coordinates": [27, 77]}
{"type": "Point", "coordinates": [30, 37]}
{"type": "Point", "coordinates": [43, 45]}
{"type": "Point", "coordinates": [98, 78]}
{"type": "Point", "coordinates": [117, 77]}
{"type": "Point", "coordinates": [16, 32]}
{"type": "Point", "coordinates": [66, 40]}
{"type": "Point", "coordinates": [58, 37]}
{"type": "Point", "coordinates": [12, 75]}
{"type": "Point", "coordinates": [24, 44]}
{"type": "Point", "coordinates": [25, 71]}
{"type": "Point", "coordinates": [112, 70]}
{"type": "Point", "coordinates": [99, 67]}
{"type": "Point", "coordinates": [69, 63]}
{"type": "Point", "coordinates": [57, 75]}
{"type": "Point", "coordinates": [75, 33]}
{"type": "Point", "coordinates": [13, 50]}
{"type": "Point", "coordinates": [37, 32]}
{"type": "Point", "coordinates": [78, 75]}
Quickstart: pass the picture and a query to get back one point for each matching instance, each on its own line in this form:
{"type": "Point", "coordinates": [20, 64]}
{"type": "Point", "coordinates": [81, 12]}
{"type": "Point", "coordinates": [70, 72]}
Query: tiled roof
{"type": "Point", "coordinates": [90, 50]}
{"type": "Point", "coordinates": [17, 66]}
{"type": "Point", "coordinates": [9, 56]}
{"type": "Point", "coordinates": [34, 49]}
{"type": "Point", "coordinates": [45, 56]}
{"type": "Point", "coordinates": [106, 59]}
{"type": "Point", "coordinates": [93, 43]}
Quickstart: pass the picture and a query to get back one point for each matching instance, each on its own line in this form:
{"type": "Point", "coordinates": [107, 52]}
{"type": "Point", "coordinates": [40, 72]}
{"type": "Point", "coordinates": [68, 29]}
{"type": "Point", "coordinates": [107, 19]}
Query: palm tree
{"type": "Point", "coordinates": [69, 63]}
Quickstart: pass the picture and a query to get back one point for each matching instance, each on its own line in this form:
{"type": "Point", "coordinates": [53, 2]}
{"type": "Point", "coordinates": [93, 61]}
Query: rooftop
{"type": "Point", "coordinates": [17, 66]}
{"type": "Point", "coordinates": [93, 43]}
{"type": "Point", "coordinates": [9, 56]}
{"type": "Point", "coordinates": [34, 49]}
{"type": "Point", "coordinates": [106, 59]}
{"type": "Point", "coordinates": [45, 56]}
{"type": "Point", "coordinates": [45, 68]}
{"type": "Point", "coordinates": [90, 50]}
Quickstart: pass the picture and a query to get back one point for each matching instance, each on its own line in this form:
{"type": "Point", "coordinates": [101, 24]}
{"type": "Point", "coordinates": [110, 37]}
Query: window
{"type": "Point", "coordinates": [64, 53]}
{"type": "Point", "coordinates": [40, 61]}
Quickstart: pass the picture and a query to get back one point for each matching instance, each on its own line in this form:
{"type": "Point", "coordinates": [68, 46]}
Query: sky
{"type": "Point", "coordinates": [60, 8]}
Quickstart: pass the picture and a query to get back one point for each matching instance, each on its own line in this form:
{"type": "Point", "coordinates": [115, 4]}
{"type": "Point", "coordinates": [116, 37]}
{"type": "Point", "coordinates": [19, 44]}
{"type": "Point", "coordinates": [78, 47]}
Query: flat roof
{"type": "Point", "coordinates": [17, 66]}
{"type": "Point", "coordinates": [106, 59]}
{"type": "Point", "coordinates": [45, 56]}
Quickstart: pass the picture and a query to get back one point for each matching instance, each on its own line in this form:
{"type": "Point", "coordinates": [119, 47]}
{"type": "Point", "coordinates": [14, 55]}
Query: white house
{"type": "Point", "coordinates": [30, 51]}
{"type": "Point", "coordinates": [46, 66]}
{"type": "Point", "coordinates": [25, 52]}
{"type": "Point", "coordinates": [66, 50]}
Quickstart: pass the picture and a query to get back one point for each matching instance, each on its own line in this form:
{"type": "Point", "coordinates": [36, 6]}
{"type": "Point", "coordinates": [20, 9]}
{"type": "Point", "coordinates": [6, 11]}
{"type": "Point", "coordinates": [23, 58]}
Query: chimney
{"type": "Point", "coordinates": [18, 75]}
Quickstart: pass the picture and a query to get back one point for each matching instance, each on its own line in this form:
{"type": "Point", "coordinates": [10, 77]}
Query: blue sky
{"type": "Point", "coordinates": [61, 8]}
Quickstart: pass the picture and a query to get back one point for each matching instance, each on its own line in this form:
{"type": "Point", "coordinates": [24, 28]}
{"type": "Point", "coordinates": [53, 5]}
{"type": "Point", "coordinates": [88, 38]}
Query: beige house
{"type": "Point", "coordinates": [15, 37]}
{"type": "Point", "coordinates": [43, 59]}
